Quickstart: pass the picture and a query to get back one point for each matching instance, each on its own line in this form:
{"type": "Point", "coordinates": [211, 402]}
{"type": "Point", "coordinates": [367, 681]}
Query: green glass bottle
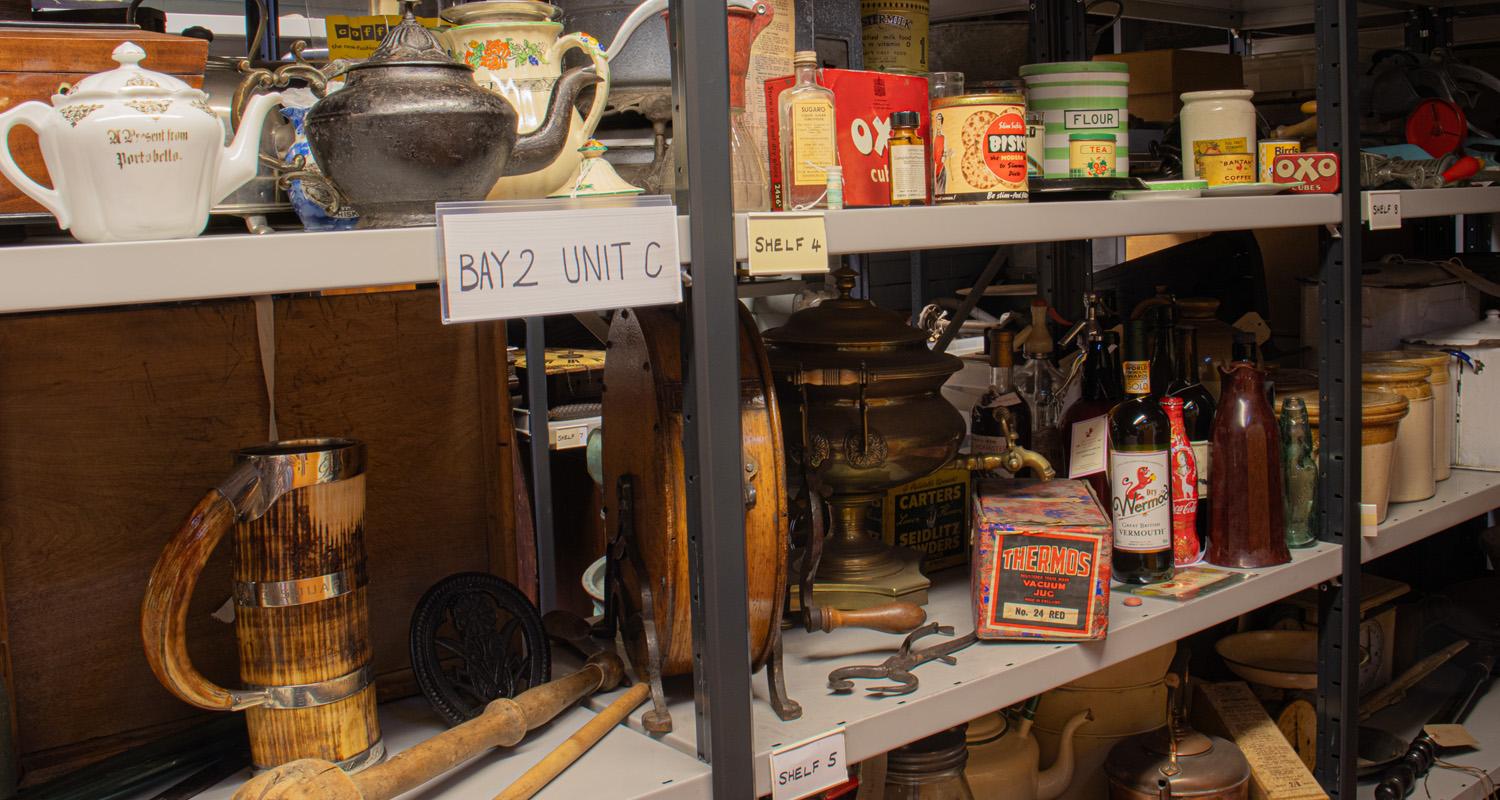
{"type": "Point", "coordinates": [1140, 476]}
{"type": "Point", "coordinates": [1299, 468]}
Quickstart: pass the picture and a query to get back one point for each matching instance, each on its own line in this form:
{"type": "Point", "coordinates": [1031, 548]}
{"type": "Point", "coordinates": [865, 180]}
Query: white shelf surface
{"type": "Point", "coordinates": [1465, 495]}
{"type": "Point", "coordinates": [988, 675]}
{"type": "Point", "coordinates": [1418, 203]}
{"type": "Point", "coordinates": [48, 277]}
{"type": "Point", "coordinates": [624, 764]}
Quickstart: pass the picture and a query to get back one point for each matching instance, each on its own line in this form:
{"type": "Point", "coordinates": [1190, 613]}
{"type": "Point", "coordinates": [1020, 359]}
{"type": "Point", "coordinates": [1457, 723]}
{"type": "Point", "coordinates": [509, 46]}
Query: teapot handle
{"type": "Point", "coordinates": [591, 48]}
{"type": "Point", "coordinates": [168, 592]}
{"type": "Point", "coordinates": [315, 184]}
{"type": "Point", "coordinates": [38, 117]}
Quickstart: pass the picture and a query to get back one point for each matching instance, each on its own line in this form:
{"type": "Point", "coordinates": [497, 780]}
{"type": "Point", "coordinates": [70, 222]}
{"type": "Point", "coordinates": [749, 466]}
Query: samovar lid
{"type": "Point", "coordinates": [847, 322]}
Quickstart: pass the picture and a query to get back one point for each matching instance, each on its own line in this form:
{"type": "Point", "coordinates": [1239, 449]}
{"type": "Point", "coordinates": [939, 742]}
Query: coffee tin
{"type": "Point", "coordinates": [1266, 152]}
{"type": "Point", "coordinates": [979, 149]}
{"type": "Point", "coordinates": [1220, 169]}
{"type": "Point", "coordinates": [894, 33]}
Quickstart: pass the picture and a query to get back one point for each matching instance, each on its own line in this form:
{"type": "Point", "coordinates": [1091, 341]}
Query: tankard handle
{"type": "Point", "coordinates": [170, 589]}
{"type": "Point", "coordinates": [591, 48]}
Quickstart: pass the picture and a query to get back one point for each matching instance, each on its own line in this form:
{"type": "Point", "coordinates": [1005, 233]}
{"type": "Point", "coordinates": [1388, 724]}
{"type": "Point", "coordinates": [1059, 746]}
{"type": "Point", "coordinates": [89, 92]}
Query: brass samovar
{"type": "Point", "coordinates": [862, 413]}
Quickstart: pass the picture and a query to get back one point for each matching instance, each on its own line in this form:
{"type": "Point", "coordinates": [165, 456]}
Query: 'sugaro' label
{"type": "Point", "coordinates": [1141, 500]}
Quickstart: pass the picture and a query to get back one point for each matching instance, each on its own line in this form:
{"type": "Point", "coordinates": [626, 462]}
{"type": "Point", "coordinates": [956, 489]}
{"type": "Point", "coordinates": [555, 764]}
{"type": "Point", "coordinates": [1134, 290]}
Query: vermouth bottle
{"type": "Point", "coordinates": [1197, 415]}
{"type": "Point", "coordinates": [1140, 475]}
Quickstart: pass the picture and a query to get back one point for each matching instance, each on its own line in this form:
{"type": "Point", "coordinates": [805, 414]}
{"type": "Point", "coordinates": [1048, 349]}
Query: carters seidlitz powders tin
{"type": "Point", "coordinates": [979, 149]}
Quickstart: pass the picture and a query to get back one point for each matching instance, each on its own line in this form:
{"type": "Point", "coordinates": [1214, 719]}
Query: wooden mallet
{"type": "Point", "coordinates": [503, 724]}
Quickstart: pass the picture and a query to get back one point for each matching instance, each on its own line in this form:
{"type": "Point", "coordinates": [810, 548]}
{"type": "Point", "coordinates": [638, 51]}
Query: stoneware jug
{"type": "Point", "coordinates": [134, 154]}
{"type": "Point", "coordinates": [297, 509]}
{"type": "Point", "coordinates": [516, 49]}
{"type": "Point", "coordinates": [1004, 758]}
{"type": "Point", "coordinates": [1245, 482]}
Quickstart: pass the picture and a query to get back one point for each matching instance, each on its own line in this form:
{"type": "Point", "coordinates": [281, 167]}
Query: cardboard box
{"type": "Point", "coordinates": [929, 516]}
{"type": "Point", "coordinates": [1159, 77]}
{"type": "Point", "coordinates": [1041, 561]}
{"type": "Point", "coordinates": [1232, 711]}
{"type": "Point", "coordinates": [863, 104]}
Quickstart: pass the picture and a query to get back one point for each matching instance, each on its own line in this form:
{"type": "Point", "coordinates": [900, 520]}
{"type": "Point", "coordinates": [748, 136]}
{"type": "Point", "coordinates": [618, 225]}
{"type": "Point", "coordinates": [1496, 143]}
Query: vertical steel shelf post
{"type": "Point", "coordinates": [537, 403]}
{"type": "Point", "coordinates": [1337, 32]}
{"type": "Point", "coordinates": [711, 399]}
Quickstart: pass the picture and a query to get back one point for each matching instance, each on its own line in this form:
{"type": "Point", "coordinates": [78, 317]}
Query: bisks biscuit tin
{"type": "Point", "coordinates": [979, 149]}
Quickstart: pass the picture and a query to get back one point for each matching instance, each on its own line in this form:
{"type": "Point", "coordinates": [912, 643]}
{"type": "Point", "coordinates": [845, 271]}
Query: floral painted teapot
{"type": "Point", "coordinates": [516, 49]}
{"type": "Point", "coordinates": [134, 154]}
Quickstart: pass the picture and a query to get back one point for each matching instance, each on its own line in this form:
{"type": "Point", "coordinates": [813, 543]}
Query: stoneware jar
{"type": "Point", "coordinates": [1411, 475]}
{"type": "Point", "coordinates": [1477, 390]}
{"type": "Point", "coordinates": [1213, 122]}
{"type": "Point", "coordinates": [1380, 416]}
{"type": "Point", "coordinates": [1444, 399]}
{"type": "Point", "coordinates": [134, 154]}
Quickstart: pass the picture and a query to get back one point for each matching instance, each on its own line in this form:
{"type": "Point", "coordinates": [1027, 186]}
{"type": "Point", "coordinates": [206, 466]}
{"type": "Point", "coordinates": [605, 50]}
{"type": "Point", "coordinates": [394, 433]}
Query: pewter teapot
{"type": "Point", "coordinates": [134, 154]}
{"type": "Point", "coordinates": [411, 128]}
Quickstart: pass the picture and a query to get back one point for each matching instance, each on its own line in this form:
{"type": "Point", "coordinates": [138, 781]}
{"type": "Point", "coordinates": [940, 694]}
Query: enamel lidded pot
{"type": "Point", "coordinates": [134, 154]}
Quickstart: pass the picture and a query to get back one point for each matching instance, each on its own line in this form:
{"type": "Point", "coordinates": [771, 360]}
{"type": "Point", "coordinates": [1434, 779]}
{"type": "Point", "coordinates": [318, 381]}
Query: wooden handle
{"type": "Point", "coordinates": [579, 743]}
{"type": "Point", "coordinates": [896, 617]}
{"type": "Point", "coordinates": [1393, 692]}
{"type": "Point", "coordinates": [503, 723]}
{"type": "Point", "coordinates": [164, 611]}
{"type": "Point", "coordinates": [1297, 130]}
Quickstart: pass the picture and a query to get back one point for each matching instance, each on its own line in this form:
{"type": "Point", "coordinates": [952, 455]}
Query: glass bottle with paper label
{"type": "Point", "coordinates": [809, 146]}
{"type": "Point", "coordinates": [1085, 426]}
{"type": "Point", "coordinates": [1001, 406]}
{"type": "Point", "coordinates": [1139, 471]}
{"type": "Point", "coordinates": [908, 157]}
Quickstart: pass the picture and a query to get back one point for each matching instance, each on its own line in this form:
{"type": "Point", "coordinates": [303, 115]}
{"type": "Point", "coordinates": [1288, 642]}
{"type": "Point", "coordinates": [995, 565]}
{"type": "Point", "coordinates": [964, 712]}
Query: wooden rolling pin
{"type": "Point", "coordinates": [579, 743]}
{"type": "Point", "coordinates": [1305, 129]}
{"type": "Point", "coordinates": [503, 724]}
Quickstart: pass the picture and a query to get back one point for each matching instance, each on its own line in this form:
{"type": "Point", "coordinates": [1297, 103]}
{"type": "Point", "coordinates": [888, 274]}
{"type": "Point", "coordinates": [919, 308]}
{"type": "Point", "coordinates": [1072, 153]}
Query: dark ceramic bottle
{"type": "Point", "coordinates": [1249, 516]}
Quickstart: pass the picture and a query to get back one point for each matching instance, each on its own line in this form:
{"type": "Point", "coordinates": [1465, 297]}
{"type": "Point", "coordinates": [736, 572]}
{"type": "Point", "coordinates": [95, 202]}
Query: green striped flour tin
{"type": "Point", "coordinates": [1079, 97]}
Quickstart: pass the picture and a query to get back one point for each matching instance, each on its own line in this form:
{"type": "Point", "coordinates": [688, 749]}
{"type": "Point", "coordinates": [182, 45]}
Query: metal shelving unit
{"type": "Point", "coordinates": [725, 722]}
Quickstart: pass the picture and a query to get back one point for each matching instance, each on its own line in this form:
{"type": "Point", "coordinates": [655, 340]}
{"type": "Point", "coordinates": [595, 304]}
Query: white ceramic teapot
{"type": "Point", "coordinates": [134, 154]}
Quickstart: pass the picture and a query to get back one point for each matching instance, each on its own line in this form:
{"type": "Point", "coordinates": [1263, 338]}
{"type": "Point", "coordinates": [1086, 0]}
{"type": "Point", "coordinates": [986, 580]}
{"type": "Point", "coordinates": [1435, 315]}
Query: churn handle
{"type": "Point", "coordinates": [165, 609]}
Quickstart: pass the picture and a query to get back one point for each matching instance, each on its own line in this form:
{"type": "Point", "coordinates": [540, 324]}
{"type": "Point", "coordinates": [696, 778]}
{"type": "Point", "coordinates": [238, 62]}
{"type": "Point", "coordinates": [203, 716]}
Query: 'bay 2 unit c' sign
{"type": "Point", "coordinates": [534, 258]}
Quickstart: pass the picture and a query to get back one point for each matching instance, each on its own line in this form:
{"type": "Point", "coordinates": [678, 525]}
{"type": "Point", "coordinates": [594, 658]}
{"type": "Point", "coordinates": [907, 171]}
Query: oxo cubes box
{"type": "Point", "coordinates": [1041, 561]}
{"type": "Point", "coordinates": [863, 102]}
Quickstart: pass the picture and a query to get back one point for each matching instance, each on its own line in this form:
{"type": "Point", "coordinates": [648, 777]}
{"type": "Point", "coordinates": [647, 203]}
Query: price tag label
{"type": "Point", "coordinates": [534, 258]}
{"type": "Point", "coordinates": [1090, 448]}
{"type": "Point", "coordinates": [1450, 735]}
{"type": "Point", "coordinates": [809, 767]}
{"type": "Point", "coordinates": [1369, 520]}
{"type": "Point", "coordinates": [787, 243]}
{"type": "Point", "coordinates": [1383, 210]}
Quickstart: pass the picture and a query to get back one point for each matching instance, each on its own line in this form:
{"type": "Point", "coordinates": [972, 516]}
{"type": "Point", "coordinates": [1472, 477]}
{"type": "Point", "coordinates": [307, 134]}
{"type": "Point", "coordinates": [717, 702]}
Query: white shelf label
{"type": "Point", "coordinates": [787, 243]}
{"type": "Point", "coordinates": [535, 258]}
{"type": "Point", "coordinates": [809, 767]}
{"type": "Point", "coordinates": [1369, 525]}
{"type": "Point", "coordinates": [1383, 210]}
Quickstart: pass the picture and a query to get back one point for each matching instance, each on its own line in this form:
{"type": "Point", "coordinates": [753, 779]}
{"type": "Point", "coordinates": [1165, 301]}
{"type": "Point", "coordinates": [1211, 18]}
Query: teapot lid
{"type": "Point", "coordinates": [128, 80]}
{"type": "Point", "coordinates": [410, 44]}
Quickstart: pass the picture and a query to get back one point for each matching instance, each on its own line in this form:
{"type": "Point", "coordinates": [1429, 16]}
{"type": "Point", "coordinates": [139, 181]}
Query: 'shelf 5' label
{"type": "Point", "coordinates": [1141, 500]}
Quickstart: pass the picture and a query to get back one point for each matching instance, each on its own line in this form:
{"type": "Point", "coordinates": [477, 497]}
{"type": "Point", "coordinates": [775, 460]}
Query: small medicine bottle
{"type": "Point", "coordinates": [908, 161]}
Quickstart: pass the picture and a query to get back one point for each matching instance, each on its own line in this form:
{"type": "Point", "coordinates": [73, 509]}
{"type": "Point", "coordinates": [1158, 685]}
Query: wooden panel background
{"type": "Point", "coordinates": [114, 423]}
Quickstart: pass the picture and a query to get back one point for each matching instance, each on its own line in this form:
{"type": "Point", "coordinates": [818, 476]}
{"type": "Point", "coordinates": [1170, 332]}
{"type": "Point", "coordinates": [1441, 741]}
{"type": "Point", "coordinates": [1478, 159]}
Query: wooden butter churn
{"type": "Point", "coordinates": [297, 508]}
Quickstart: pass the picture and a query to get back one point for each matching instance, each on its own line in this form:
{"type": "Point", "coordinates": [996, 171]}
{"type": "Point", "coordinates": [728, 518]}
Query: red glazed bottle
{"type": "Point", "coordinates": [1249, 519]}
{"type": "Point", "coordinates": [1186, 547]}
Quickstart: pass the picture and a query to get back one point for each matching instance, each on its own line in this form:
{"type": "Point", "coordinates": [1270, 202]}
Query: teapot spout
{"type": "Point", "coordinates": [537, 149]}
{"type": "Point", "coordinates": [241, 159]}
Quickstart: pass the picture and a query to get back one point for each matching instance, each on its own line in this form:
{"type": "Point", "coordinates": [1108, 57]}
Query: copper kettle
{"type": "Point", "coordinates": [1176, 761]}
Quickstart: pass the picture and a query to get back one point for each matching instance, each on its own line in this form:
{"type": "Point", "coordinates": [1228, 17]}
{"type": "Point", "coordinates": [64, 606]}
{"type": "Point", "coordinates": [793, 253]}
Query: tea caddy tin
{"type": "Point", "coordinates": [1091, 155]}
{"type": "Point", "coordinates": [979, 149]}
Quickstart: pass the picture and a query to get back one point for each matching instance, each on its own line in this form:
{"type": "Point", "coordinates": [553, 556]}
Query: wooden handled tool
{"type": "Point", "coordinates": [1300, 130]}
{"type": "Point", "coordinates": [1393, 692]}
{"type": "Point", "coordinates": [579, 743]}
{"type": "Point", "coordinates": [894, 617]}
{"type": "Point", "coordinates": [503, 724]}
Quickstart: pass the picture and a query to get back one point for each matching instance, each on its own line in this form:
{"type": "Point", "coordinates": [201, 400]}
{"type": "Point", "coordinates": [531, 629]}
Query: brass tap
{"type": "Point", "coordinates": [1013, 460]}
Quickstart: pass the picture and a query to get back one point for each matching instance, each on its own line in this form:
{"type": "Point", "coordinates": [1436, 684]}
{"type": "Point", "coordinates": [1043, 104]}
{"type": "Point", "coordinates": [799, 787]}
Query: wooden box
{"type": "Point", "coordinates": [114, 423]}
{"type": "Point", "coordinates": [34, 63]}
{"type": "Point", "coordinates": [1159, 77]}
